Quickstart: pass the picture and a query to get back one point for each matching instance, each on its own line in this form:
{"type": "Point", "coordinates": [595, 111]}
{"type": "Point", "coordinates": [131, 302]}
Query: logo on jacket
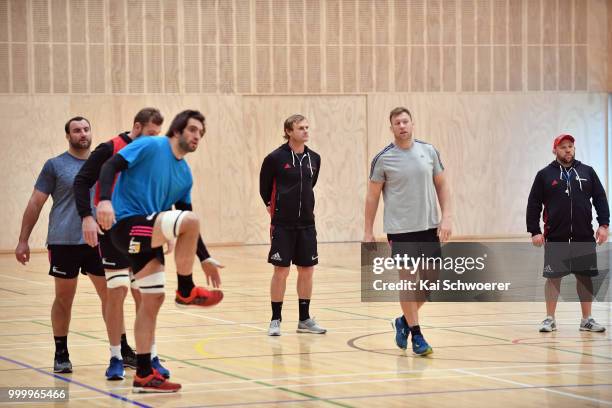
{"type": "Point", "coordinates": [287, 166]}
{"type": "Point", "coordinates": [555, 182]}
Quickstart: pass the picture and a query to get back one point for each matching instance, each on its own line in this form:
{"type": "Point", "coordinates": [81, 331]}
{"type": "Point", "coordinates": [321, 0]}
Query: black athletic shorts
{"type": "Point", "coordinates": [112, 258]}
{"type": "Point", "coordinates": [132, 237]}
{"type": "Point", "coordinates": [67, 260]}
{"type": "Point", "coordinates": [563, 258]}
{"type": "Point", "coordinates": [297, 245]}
{"type": "Point", "coordinates": [416, 243]}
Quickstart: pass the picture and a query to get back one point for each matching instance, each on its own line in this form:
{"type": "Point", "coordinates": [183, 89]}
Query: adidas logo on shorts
{"type": "Point", "coordinates": [276, 257]}
{"type": "Point", "coordinates": [548, 269]}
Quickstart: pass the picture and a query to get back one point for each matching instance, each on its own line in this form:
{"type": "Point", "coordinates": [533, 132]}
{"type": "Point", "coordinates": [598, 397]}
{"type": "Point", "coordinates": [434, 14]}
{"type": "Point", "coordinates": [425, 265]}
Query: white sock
{"type": "Point", "coordinates": [153, 351]}
{"type": "Point", "coordinates": [116, 351]}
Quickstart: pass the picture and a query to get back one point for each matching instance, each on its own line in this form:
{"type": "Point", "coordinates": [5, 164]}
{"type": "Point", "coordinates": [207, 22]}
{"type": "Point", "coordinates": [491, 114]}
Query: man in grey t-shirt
{"type": "Point", "coordinates": [68, 252]}
{"type": "Point", "coordinates": [410, 175]}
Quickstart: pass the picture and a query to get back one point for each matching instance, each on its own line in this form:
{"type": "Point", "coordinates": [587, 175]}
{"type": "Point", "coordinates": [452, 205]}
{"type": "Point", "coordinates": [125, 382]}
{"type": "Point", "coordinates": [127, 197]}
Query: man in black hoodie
{"type": "Point", "coordinates": [286, 182]}
{"type": "Point", "coordinates": [565, 188]}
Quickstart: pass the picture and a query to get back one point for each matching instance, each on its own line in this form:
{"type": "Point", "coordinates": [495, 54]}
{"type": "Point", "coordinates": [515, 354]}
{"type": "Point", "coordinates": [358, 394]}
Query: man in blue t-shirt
{"type": "Point", "coordinates": [154, 177]}
{"type": "Point", "coordinates": [68, 252]}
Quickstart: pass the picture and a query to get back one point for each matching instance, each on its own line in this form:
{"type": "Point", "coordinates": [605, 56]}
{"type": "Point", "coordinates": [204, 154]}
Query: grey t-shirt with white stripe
{"type": "Point", "coordinates": [409, 192]}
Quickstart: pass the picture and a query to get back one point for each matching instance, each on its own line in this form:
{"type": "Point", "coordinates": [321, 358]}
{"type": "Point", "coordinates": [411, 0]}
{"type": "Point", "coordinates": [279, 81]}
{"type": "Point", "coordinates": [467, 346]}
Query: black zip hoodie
{"type": "Point", "coordinates": [286, 181]}
{"type": "Point", "coordinates": [567, 204]}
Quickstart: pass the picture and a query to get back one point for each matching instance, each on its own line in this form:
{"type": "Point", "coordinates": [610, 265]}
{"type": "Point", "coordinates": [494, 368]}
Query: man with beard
{"type": "Point", "coordinates": [565, 188]}
{"type": "Point", "coordinates": [154, 177]}
{"type": "Point", "coordinates": [119, 278]}
{"type": "Point", "coordinates": [68, 252]}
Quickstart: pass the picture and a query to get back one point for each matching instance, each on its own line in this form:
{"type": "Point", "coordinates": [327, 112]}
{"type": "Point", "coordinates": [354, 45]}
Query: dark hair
{"type": "Point", "coordinates": [146, 115]}
{"type": "Point", "coordinates": [297, 118]}
{"type": "Point", "coordinates": [179, 123]}
{"type": "Point", "coordinates": [398, 111]}
{"type": "Point", "coordinates": [75, 119]}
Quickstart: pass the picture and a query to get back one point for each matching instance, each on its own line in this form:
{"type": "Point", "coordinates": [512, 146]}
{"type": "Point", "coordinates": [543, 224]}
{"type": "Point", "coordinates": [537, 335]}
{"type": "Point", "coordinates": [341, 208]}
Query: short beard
{"type": "Point", "coordinates": [184, 146]}
{"type": "Point", "coordinates": [560, 159]}
{"type": "Point", "coordinates": [79, 146]}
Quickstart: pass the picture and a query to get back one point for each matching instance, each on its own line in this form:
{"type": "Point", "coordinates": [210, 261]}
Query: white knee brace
{"type": "Point", "coordinates": [171, 223]}
{"type": "Point", "coordinates": [153, 283]}
{"type": "Point", "coordinates": [117, 278]}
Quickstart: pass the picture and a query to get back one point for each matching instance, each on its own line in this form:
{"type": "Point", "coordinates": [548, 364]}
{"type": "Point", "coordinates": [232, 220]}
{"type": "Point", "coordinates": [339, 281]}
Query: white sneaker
{"type": "Point", "coordinates": [274, 329]}
{"type": "Point", "coordinates": [548, 325]}
{"type": "Point", "coordinates": [310, 326]}
{"type": "Point", "coordinates": [591, 325]}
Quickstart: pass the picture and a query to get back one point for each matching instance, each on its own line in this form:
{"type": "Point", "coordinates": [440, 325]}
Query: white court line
{"type": "Point", "coordinates": [543, 388]}
{"type": "Point", "coordinates": [373, 381]}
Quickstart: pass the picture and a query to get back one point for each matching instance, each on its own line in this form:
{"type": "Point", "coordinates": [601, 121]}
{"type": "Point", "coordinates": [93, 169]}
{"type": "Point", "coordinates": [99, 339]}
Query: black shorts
{"type": "Point", "coordinates": [67, 260]}
{"type": "Point", "coordinates": [563, 258]}
{"type": "Point", "coordinates": [112, 258]}
{"type": "Point", "coordinates": [297, 245]}
{"type": "Point", "coordinates": [416, 243]}
{"type": "Point", "coordinates": [132, 237]}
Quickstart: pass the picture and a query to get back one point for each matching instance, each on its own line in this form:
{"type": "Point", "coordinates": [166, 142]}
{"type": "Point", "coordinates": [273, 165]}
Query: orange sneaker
{"type": "Point", "coordinates": [200, 297]}
{"type": "Point", "coordinates": [153, 383]}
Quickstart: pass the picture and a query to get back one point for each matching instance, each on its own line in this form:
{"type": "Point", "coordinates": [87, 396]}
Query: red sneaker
{"type": "Point", "coordinates": [200, 297]}
{"type": "Point", "coordinates": [153, 383]}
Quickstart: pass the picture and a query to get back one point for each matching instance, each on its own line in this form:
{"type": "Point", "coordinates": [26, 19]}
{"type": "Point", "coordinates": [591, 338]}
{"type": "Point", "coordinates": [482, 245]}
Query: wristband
{"type": "Point", "coordinates": [212, 260]}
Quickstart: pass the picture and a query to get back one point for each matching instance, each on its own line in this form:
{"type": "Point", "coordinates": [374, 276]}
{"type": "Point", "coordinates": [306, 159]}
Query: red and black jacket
{"type": "Point", "coordinates": [566, 195]}
{"type": "Point", "coordinates": [89, 173]}
{"type": "Point", "coordinates": [286, 183]}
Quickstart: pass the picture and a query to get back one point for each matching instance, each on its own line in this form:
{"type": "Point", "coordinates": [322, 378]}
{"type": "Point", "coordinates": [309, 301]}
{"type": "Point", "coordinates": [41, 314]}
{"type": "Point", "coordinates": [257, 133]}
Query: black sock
{"type": "Point", "coordinates": [405, 321]}
{"type": "Point", "coordinates": [144, 365]}
{"type": "Point", "coordinates": [61, 345]}
{"type": "Point", "coordinates": [304, 304]}
{"type": "Point", "coordinates": [277, 307]}
{"type": "Point", "coordinates": [124, 343]}
{"type": "Point", "coordinates": [185, 284]}
{"type": "Point", "coordinates": [414, 330]}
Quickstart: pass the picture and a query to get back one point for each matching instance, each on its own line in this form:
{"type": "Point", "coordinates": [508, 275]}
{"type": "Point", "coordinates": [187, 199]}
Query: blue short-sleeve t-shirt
{"type": "Point", "coordinates": [154, 180]}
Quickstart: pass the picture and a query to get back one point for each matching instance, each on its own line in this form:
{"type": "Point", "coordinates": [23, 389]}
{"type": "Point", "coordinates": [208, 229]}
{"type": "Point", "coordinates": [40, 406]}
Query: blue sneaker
{"type": "Point", "coordinates": [401, 333]}
{"type": "Point", "coordinates": [115, 371]}
{"type": "Point", "coordinates": [420, 346]}
{"type": "Point", "coordinates": [160, 369]}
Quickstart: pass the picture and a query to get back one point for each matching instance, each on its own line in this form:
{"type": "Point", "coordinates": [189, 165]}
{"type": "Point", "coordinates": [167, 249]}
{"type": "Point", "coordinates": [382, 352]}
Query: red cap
{"type": "Point", "coordinates": [561, 138]}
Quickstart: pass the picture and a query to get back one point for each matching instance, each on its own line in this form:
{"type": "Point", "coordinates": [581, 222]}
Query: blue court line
{"type": "Point", "coordinates": [401, 394]}
{"type": "Point", "coordinates": [80, 384]}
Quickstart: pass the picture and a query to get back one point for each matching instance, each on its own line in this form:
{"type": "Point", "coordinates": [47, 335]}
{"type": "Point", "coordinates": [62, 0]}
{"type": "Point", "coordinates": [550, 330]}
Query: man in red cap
{"type": "Point", "coordinates": [565, 188]}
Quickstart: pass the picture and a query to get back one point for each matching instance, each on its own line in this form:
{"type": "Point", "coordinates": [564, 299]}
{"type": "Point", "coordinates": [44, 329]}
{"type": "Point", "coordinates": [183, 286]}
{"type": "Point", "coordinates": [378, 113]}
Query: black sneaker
{"type": "Point", "coordinates": [129, 357]}
{"type": "Point", "coordinates": [62, 364]}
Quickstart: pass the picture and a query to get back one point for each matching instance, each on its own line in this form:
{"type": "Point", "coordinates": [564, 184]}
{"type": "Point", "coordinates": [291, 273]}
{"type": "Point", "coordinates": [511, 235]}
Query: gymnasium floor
{"type": "Point", "coordinates": [484, 353]}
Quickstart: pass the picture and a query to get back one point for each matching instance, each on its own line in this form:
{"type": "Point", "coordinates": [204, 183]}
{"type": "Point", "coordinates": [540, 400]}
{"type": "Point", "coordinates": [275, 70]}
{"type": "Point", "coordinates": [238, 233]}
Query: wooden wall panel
{"type": "Point", "coordinates": [4, 21]}
{"type": "Point", "coordinates": [296, 73]}
{"type": "Point", "coordinates": [20, 68]}
{"type": "Point", "coordinates": [366, 32]}
{"type": "Point", "coordinates": [45, 115]}
{"type": "Point", "coordinates": [40, 14]}
{"type": "Point", "coordinates": [42, 71]}
{"type": "Point", "coordinates": [5, 77]}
